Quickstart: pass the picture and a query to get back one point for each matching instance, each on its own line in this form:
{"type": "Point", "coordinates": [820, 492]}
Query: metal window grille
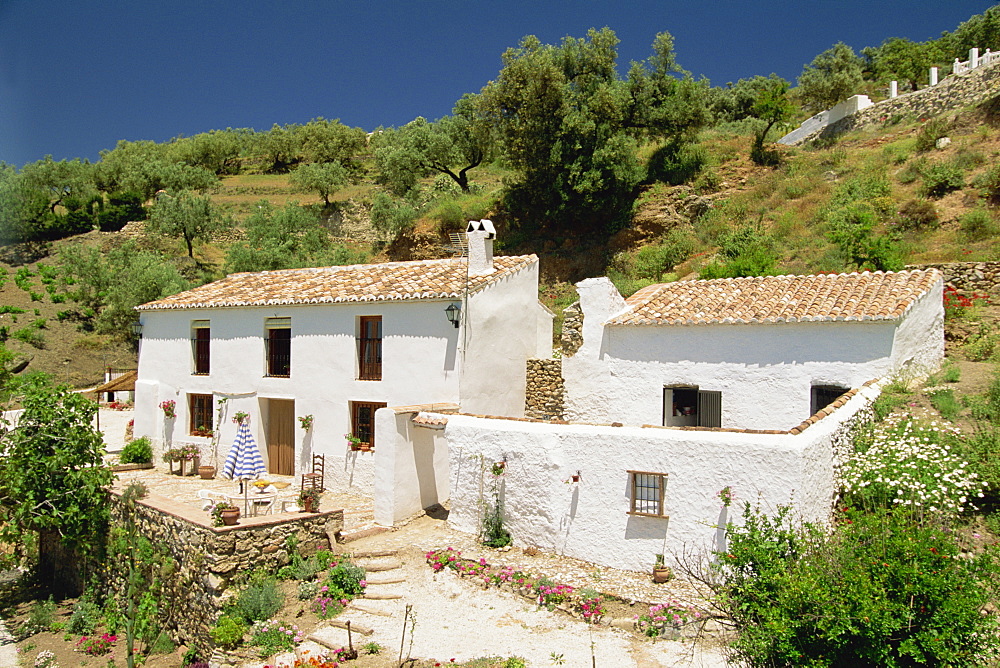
{"type": "Point", "coordinates": [363, 420]}
{"type": "Point", "coordinates": [370, 348]}
{"type": "Point", "coordinates": [200, 410]}
{"type": "Point", "coordinates": [200, 347]}
{"type": "Point", "coordinates": [279, 352]}
{"type": "Point", "coordinates": [648, 491]}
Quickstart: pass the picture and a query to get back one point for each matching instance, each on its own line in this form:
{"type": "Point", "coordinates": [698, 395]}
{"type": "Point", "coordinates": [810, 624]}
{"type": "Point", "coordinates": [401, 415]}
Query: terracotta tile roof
{"type": "Point", "coordinates": [391, 281]}
{"type": "Point", "coordinates": [773, 299]}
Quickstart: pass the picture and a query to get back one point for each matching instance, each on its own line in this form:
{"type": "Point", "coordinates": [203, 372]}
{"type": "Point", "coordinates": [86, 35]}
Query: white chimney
{"type": "Point", "coordinates": [480, 234]}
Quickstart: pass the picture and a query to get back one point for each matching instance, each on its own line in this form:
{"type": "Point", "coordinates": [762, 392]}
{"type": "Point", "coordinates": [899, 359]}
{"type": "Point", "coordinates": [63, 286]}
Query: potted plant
{"type": "Point", "coordinates": [309, 498]}
{"type": "Point", "coordinates": [225, 514]}
{"type": "Point", "coordinates": [206, 472]}
{"type": "Point", "coordinates": [306, 421]}
{"type": "Point", "coordinates": [661, 572]}
{"type": "Point", "coordinates": [240, 417]}
{"type": "Point", "coordinates": [169, 408]}
{"type": "Point", "coordinates": [356, 443]}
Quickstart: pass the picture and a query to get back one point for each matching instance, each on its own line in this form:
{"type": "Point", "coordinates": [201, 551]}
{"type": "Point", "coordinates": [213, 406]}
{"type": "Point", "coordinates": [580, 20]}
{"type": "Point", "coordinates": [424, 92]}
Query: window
{"type": "Point", "coordinates": [200, 410]}
{"type": "Point", "coordinates": [201, 335]}
{"type": "Point", "coordinates": [363, 420]}
{"type": "Point", "coordinates": [691, 407]}
{"type": "Point", "coordinates": [278, 346]}
{"type": "Point", "coordinates": [648, 490]}
{"type": "Point", "coordinates": [822, 396]}
{"type": "Point", "coordinates": [370, 348]}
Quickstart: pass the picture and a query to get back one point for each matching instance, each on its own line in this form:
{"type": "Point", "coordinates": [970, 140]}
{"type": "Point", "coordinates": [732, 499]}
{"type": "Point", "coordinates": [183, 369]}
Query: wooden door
{"type": "Point", "coordinates": [281, 436]}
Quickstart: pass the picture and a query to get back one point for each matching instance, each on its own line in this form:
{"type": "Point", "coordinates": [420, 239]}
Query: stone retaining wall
{"type": "Point", "coordinates": [210, 558]}
{"type": "Point", "coordinates": [571, 336]}
{"type": "Point", "coordinates": [968, 277]}
{"type": "Point", "coordinates": [544, 396]}
{"type": "Point", "coordinates": [952, 93]}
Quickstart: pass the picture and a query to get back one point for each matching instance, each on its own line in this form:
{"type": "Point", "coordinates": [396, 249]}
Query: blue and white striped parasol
{"type": "Point", "coordinates": [244, 461]}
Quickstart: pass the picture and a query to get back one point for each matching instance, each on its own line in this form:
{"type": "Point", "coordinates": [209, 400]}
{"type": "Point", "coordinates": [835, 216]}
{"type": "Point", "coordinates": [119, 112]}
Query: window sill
{"type": "Point", "coordinates": [277, 375]}
{"type": "Point", "coordinates": [197, 373]}
{"type": "Point", "coordinates": [638, 514]}
{"type": "Point", "coordinates": [370, 379]}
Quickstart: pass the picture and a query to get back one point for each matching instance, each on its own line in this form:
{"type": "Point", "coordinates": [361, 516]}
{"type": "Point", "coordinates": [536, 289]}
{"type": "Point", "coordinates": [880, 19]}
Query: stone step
{"type": "Point", "coordinates": [374, 553]}
{"type": "Point", "coordinates": [380, 597]}
{"type": "Point", "coordinates": [385, 581]}
{"type": "Point", "coordinates": [383, 566]}
{"type": "Point", "coordinates": [354, 605]}
{"type": "Point", "coordinates": [355, 627]}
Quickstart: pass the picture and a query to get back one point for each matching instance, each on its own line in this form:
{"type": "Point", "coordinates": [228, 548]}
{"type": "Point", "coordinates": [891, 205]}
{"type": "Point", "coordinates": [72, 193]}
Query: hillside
{"type": "Point", "coordinates": [890, 184]}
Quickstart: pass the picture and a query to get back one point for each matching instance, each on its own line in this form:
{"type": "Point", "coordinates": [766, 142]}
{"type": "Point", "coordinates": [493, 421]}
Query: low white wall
{"type": "Point", "coordinates": [590, 520]}
{"type": "Point", "coordinates": [411, 467]}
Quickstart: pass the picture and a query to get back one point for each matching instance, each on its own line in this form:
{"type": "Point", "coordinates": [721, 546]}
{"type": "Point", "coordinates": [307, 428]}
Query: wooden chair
{"type": "Point", "coordinates": [315, 479]}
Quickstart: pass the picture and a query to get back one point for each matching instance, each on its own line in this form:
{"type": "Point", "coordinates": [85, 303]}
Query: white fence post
{"type": "Point", "coordinates": [973, 58]}
{"type": "Point", "coordinates": [893, 89]}
{"type": "Point", "coordinates": [934, 76]}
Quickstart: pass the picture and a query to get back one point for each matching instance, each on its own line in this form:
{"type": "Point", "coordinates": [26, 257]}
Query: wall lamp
{"type": "Point", "coordinates": [137, 329]}
{"type": "Point", "coordinates": [454, 312]}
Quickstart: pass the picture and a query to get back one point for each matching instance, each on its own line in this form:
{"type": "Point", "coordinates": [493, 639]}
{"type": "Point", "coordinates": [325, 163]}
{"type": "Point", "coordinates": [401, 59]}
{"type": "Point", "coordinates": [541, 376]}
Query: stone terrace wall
{"type": "Point", "coordinates": [969, 277]}
{"type": "Point", "coordinates": [953, 92]}
{"type": "Point", "coordinates": [209, 558]}
{"type": "Point", "coordinates": [544, 396]}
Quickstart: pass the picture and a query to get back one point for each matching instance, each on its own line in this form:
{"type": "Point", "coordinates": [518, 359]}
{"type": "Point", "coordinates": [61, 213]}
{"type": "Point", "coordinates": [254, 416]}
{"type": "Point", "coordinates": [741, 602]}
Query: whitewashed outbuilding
{"type": "Point", "coordinates": [673, 395]}
{"type": "Point", "coordinates": [338, 343]}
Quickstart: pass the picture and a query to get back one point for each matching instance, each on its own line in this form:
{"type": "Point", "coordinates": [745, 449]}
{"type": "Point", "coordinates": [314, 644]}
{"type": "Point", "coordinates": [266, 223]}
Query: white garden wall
{"type": "Point", "coordinates": [590, 520]}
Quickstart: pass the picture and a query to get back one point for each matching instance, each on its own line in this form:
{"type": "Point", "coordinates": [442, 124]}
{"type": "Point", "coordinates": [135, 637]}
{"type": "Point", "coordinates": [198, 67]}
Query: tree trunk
{"type": "Point", "coordinates": [59, 567]}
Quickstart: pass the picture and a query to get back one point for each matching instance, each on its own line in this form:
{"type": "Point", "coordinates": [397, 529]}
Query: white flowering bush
{"type": "Point", "coordinates": [46, 659]}
{"type": "Point", "coordinates": [904, 462]}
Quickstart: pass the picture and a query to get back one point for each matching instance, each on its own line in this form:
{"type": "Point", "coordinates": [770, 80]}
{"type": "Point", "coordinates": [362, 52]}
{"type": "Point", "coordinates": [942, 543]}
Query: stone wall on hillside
{"type": "Point", "coordinates": [968, 277]}
{"type": "Point", "coordinates": [544, 396]}
{"type": "Point", "coordinates": [952, 93]}
{"type": "Point", "coordinates": [209, 558]}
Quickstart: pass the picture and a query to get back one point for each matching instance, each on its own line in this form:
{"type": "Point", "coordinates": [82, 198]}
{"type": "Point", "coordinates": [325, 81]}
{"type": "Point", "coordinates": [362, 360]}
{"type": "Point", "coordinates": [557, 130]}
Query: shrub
{"type": "Point", "coordinates": [982, 345]}
{"type": "Point", "coordinates": [976, 225]}
{"type": "Point", "coordinates": [988, 184]}
{"type": "Point", "coordinates": [880, 591]}
{"type": "Point", "coordinates": [228, 632]}
{"type": "Point", "coordinates": [655, 260]}
{"type": "Point", "coordinates": [85, 618]}
{"type": "Point", "coordinates": [676, 162]}
{"type": "Point", "coordinates": [260, 599]}
{"type": "Point", "coordinates": [40, 617]}
{"type": "Point", "coordinates": [932, 130]}
{"type": "Point", "coordinates": [346, 577]}
{"type": "Point", "coordinates": [942, 178]}
{"type": "Point", "coordinates": [275, 636]}
{"type": "Point", "coordinates": [138, 451]}
{"type": "Point", "coordinates": [308, 590]}
{"type": "Point", "coordinates": [917, 214]}
{"type": "Point", "coordinates": [945, 403]}
{"type": "Point", "coordinates": [912, 465]}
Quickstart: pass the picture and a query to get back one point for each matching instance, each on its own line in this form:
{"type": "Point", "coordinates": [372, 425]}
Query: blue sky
{"type": "Point", "coordinates": [77, 76]}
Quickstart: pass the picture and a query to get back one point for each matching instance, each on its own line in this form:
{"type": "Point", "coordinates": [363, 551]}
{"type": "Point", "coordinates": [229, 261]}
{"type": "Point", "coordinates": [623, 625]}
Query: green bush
{"type": "Point", "coordinates": [85, 618]}
{"type": "Point", "coordinates": [942, 178]}
{"type": "Point", "coordinates": [657, 259]}
{"type": "Point", "coordinates": [138, 451]}
{"type": "Point", "coordinates": [228, 632]}
{"type": "Point", "coordinates": [881, 590]}
{"type": "Point", "coordinates": [988, 184]}
{"type": "Point", "coordinates": [391, 215]}
{"type": "Point", "coordinates": [41, 617]}
{"type": "Point", "coordinates": [946, 404]}
{"type": "Point", "coordinates": [977, 225]}
{"type": "Point", "coordinates": [676, 162]}
{"type": "Point", "coordinates": [260, 599]}
{"type": "Point", "coordinates": [917, 214]}
{"type": "Point", "coordinates": [981, 346]}
{"type": "Point", "coordinates": [932, 130]}
{"type": "Point", "coordinates": [346, 577]}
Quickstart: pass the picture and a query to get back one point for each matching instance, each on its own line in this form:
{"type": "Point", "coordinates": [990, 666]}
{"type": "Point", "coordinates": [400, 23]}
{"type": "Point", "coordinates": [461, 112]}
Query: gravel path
{"type": "Point", "coordinates": [8, 650]}
{"type": "Point", "coordinates": [457, 619]}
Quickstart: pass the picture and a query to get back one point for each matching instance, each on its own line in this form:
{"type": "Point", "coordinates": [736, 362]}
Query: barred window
{"type": "Point", "coordinates": [201, 337]}
{"type": "Point", "coordinates": [648, 491]}
{"type": "Point", "coordinates": [278, 347]}
{"type": "Point", "coordinates": [200, 411]}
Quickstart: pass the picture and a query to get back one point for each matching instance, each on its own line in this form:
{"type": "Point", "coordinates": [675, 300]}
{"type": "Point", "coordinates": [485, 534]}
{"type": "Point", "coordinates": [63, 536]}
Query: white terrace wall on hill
{"type": "Point", "coordinates": [591, 520]}
{"type": "Point", "coordinates": [764, 371]}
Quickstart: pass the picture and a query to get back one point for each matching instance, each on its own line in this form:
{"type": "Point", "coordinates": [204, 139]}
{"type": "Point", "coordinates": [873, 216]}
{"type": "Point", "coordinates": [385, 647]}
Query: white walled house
{"type": "Point", "coordinates": [338, 343]}
{"type": "Point", "coordinates": [749, 353]}
{"type": "Point", "coordinates": [674, 394]}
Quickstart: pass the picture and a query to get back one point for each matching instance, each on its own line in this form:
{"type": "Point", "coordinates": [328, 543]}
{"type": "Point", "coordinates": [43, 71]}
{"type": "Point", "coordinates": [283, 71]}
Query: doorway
{"type": "Point", "coordinates": [281, 436]}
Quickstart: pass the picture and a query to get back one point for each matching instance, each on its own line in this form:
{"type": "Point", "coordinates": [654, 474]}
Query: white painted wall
{"type": "Point", "coordinates": [764, 372]}
{"type": "Point", "coordinates": [590, 521]}
{"type": "Point", "coordinates": [500, 333]}
{"type": "Point", "coordinates": [411, 467]}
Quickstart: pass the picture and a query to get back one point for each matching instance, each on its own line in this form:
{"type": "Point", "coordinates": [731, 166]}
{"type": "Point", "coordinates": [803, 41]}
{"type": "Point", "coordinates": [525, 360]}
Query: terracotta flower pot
{"type": "Point", "coordinates": [230, 516]}
{"type": "Point", "coordinates": [662, 574]}
{"type": "Point", "coordinates": [307, 505]}
{"type": "Point", "coordinates": [206, 472]}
